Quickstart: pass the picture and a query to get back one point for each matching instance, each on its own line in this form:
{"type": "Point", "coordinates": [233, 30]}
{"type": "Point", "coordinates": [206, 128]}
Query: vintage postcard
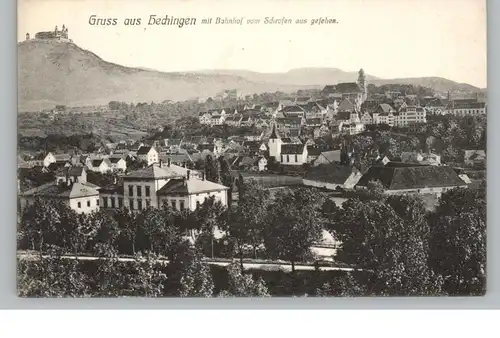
{"type": "Point", "coordinates": [251, 148]}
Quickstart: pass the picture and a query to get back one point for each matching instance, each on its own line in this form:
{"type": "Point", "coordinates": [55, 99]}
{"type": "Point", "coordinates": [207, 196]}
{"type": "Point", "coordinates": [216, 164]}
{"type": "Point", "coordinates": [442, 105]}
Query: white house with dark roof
{"type": "Point", "coordinates": [118, 163]}
{"type": "Point", "coordinates": [401, 178]}
{"type": "Point", "coordinates": [293, 154]}
{"type": "Point", "coordinates": [161, 184]}
{"type": "Point", "coordinates": [409, 116]}
{"type": "Point", "coordinates": [101, 165]}
{"type": "Point", "coordinates": [148, 155]}
{"type": "Point", "coordinates": [75, 191]}
{"type": "Point", "coordinates": [332, 176]}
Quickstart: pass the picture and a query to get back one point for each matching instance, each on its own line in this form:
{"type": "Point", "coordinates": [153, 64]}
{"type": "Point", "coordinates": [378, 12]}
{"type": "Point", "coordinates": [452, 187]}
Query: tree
{"type": "Point", "coordinates": [294, 224]}
{"type": "Point", "coordinates": [51, 276]}
{"type": "Point", "coordinates": [108, 280]}
{"type": "Point", "coordinates": [210, 217]}
{"type": "Point", "coordinates": [211, 170]}
{"type": "Point", "coordinates": [246, 221]}
{"type": "Point", "coordinates": [243, 285]}
{"type": "Point", "coordinates": [458, 241]}
{"type": "Point", "coordinates": [158, 225]}
{"type": "Point", "coordinates": [374, 192]}
{"type": "Point", "coordinates": [187, 274]}
{"type": "Point", "coordinates": [148, 279]}
{"type": "Point", "coordinates": [227, 178]}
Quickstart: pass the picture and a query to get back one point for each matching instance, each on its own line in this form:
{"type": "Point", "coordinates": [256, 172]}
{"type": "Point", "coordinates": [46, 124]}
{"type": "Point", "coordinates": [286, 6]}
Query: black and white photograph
{"type": "Point", "coordinates": [251, 149]}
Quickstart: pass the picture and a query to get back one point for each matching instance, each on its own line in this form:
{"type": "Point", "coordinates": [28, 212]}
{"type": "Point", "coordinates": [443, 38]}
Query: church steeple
{"type": "Point", "coordinates": [274, 134]}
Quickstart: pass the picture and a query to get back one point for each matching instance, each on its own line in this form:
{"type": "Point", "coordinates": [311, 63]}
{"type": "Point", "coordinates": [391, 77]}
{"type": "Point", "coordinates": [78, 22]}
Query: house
{"type": "Point", "coordinates": [332, 176]}
{"type": "Point", "coordinates": [148, 155]}
{"type": "Point", "coordinates": [180, 159]}
{"type": "Point", "coordinates": [313, 153]}
{"type": "Point", "coordinates": [204, 118]}
{"type": "Point", "coordinates": [352, 128]}
{"type": "Point", "coordinates": [346, 106]}
{"type": "Point", "coordinates": [293, 111]}
{"type": "Point", "coordinates": [351, 91]}
{"type": "Point", "coordinates": [246, 121]}
{"type": "Point", "coordinates": [262, 163]}
{"type": "Point", "coordinates": [410, 115]}
{"type": "Point", "coordinates": [328, 157]}
{"type": "Point", "coordinates": [289, 123]}
{"type": "Point", "coordinates": [422, 179]}
{"type": "Point", "coordinates": [118, 163]}
{"type": "Point", "coordinates": [474, 157]}
{"type": "Point", "coordinates": [212, 148]}
{"type": "Point", "coordinates": [189, 193]}
{"type": "Point", "coordinates": [467, 108]}
{"type": "Point", "coordinates": [293, 154]}
{"type": "Point", "coordinates": [313, 122]}
{"type": "Point", "coordinates": [255, 147]}
{"type": "Point", "coordinates": [217, 120]}
{"type": "Point", "coordinates": [53, 158]}
{"type": "Point", "coordinates": [101, 165]}
{"type": "Point", "coordinates": [419, 158]}
{"type": "Point", "coordinates": [82, 197]}
{"type": "Point", "coordinates": [234, 121]}
{"type": "Point", "coordinates": [72, 175]}
{"type": "Point", "coordinates": [366, 118]}
{"type": "Point", "coordinates": [140, 187]}
{"type": "Point", "coordinates": [173, 144]}
{"type": "Point", "coordinates": [321, 131]}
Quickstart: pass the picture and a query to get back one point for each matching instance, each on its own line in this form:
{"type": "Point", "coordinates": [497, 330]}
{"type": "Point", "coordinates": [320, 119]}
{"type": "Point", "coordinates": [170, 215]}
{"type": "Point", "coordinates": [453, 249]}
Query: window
{"type": "Point", "coordinates": [288, 158]}
{"type": "Point", "coordinates": [139, 204]}
{"type": "Point", "coordinates": [139, 191]}
{"type": "Point", "coordinates": [120, 202]}
{"type": "Point", "coordinates": [112, 203]}
{"type": "Point", "coordinates": [88, 203]}
{"type": "Point", "coordinates": [148, 203]}
{"type": "Point", "coordinates": [131, 204]}
{"type": "Point", "coordinates": [197, 204]}
{"type": "Point", "coordinates": [105, 200]}
{"type": "Point", "coordinates": [79, 205]}
{"type": "Point", "coordinates": [131, 190]}
{"type": "Point", "coordinates": [181, 204]}
{"type": "Point", "coordinates": [296, 160]}
{"type": "Point", "coordinates": [147, 191]}
{"type": "Point", "coordinates": [174, 204]}
{"type": "Point", "coordinates": [97, 202]}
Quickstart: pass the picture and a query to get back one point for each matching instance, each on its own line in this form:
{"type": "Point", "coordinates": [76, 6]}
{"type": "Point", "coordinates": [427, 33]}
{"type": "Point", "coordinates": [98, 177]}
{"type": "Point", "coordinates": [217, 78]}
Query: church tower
{"type": "Point", "coordinates": [362, 84]}
{"type": "Point", "coordinates": [274, 145]}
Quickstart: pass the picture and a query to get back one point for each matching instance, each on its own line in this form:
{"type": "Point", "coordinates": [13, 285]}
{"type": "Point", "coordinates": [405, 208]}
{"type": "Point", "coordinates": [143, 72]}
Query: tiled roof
{"type": "Point", "coordinates": [292, 148]}
{"type": "Point", "coordinates": [332, 156]}
{"type": "Point", "coordinates": [313, 121]}
{"type": "Point", "coordinates": [347, 87]}
{"type": "Point", "coordinates": [384, 108]}
{"type": "Point", "coordinates": [143, 150]}
{"type": "Point", "coordinates": [74, 190]}
{"type": "Point", "coordinates": [328, 89]}
{"type": "Point", "coordinates": [345, 105]}
{"type": "Point", "coordinates": [175, 158]}
{"type": "Point", "coordinates": [155, 172]}
{"type": "Point", "coordinates": [313, 151]}
{"type": "Point", "coordinates": [412, 177]}
{"type": "Point", "coordinates": [330, 173]}
{"type": "Point", "coordinates": [343, 115]}
{"type": "Point", "coordinates": [293, 109]}
{"type": "Point", "coordinates": [189, 187]}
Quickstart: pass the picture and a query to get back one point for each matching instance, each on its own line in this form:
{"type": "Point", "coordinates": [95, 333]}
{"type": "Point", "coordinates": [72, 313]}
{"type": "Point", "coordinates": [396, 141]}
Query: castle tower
{"type": "Point", "coordinates": [27, 36]}
{"type": "Point", "coordinates": [274, 145]}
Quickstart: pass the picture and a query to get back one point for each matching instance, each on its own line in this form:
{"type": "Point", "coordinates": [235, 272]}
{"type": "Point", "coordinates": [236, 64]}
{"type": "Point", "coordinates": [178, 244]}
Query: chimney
{"type": "Point", "coordinates": [202, 175]}
{"type": "Point", "coordinates": [188, 174]}
{"type": "Point", "coordinates": [168, 161]}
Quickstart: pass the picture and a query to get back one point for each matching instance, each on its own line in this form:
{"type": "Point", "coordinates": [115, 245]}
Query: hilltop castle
{"type": "Point", "coordinates": [56, 34]}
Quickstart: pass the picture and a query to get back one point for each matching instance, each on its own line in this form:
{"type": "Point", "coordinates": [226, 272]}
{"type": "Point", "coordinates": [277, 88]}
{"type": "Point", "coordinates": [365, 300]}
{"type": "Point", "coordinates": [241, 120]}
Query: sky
{"type": "Point", "coordinates": [387, 38]}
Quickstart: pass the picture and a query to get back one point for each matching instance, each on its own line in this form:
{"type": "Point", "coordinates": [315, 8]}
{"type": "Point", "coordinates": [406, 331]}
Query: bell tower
{"type": "Point", "coordinates": [274, 145]}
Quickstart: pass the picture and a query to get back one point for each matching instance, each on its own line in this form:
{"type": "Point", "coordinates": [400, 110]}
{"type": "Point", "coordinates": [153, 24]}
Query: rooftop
{"type": "Point", "coordinates": [189, 187]}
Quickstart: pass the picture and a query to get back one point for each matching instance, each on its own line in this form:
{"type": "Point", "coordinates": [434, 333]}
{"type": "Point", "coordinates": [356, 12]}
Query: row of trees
{"type": "Point", "coordinates": [405, 249]}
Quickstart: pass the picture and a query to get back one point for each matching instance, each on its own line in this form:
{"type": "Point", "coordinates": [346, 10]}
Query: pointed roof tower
{"type": "Point", "coordinates": [274, 134]}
